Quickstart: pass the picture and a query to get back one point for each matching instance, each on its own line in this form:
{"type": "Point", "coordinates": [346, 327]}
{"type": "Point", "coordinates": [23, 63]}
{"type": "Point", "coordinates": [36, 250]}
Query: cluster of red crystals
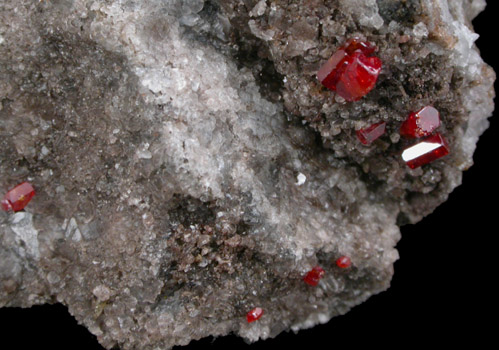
{"type": "Point", "coordinates": [314, 276]}
{"type": "Point", "coordinates": [421, 123]}
{"type": "Point", "coordinates": [254, 314]}
{"type": "Point", "coordinates": [369, 135]}
{"type": "Point", "coordinates": [18, 197]}
{"type": "Point", "coordinates": [426, 151]}
{"type": "Point", "coordinates": [350, 71]}
{"type": "Point", "coordinates": [343, 262]}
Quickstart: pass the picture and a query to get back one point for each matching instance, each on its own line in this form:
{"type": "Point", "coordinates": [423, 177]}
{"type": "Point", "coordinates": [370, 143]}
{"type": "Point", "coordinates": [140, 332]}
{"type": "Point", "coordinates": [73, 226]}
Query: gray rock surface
{"type": "Point", "coordinates": [189, 166]}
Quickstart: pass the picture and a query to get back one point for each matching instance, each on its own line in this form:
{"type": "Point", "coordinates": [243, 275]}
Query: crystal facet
{"type": "Point", "coordinates": [314, 276]}
{"type": "Point", "coordinates": [343, 262]}
{"type": "Point", "coordinates": [421, 123]}
{"type": "Point", "coordinates": [370, 134]}
{"type": "Point", "coordinates": [350, 72]}
{"type": "Point", "coordinates": [254, 314]}
{"type": "Point", "coordinates": [18, 197]}
{"type": "Point", "coordinates": [425, 151]}
{"type": "Point", "coordinates": [355, 44]}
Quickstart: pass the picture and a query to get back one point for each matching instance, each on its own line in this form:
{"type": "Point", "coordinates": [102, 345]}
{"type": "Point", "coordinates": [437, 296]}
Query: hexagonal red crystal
{"type": "Point", "coordinates": [314, 276]}
{"type": "Point", "coordinates": [18, 197]}
{"type": "Point", "coordinates": [350, 72]}
{"type": "Point", "coordinates": [254, 314]}
{"type": "Point", "coordinates": [421, 123]}
{"type": "Point", "coordinates": [370, 134]}
{"type": "Point", "coordinates": [343, 262]}
{"type": "Point", "coordinates": [425, 151]}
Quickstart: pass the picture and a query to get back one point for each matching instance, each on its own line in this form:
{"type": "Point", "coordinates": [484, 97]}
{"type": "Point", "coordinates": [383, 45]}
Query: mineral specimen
{"type": "Point", "coordinates": [189, 166]}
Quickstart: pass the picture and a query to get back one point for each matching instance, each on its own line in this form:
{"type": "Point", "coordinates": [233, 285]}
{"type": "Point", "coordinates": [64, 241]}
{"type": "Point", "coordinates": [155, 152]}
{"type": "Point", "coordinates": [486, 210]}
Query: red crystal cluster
{"type": "Point", "coordinates": [423, 123]}
{"type": "Point", "coordinates": [420, 124]}
{"type": "Point", "coordinates": [352, 71]}
{"type": "Point", "coordinates": [18, 197]}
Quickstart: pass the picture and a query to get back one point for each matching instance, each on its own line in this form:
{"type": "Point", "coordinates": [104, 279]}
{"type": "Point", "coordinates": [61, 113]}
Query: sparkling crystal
{"type": "Point", "coordinates": [343, 262]}
{"type": "Point", "coordinates": [370, 134]}
{"type": "Point", "coordinates": [314, 276]}
{"type": "Point", "coordinates": [350, 72]}
{"type": "Point", "coordinates": [18, 197]}
{"type": "Point", "coordinates": [254, 314]}
{"type": "Point", "coordinates": [421, 123]}
{"type": "Point", "coordinates": [426, 151]}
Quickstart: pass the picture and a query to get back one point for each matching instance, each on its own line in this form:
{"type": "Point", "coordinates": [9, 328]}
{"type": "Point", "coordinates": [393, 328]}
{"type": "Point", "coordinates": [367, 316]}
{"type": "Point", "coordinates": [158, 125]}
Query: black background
{"type": "Point", "coordinates": [441, 293]}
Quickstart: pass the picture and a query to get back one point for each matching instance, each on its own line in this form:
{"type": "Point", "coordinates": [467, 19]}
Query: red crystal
{"type": "Point", "coordinates": [314, 276]}
{"type": "Point", "coordinates": [350, 72]}
{"type": "Point", "coordinates": [254, 314]}
{"type": "Point", "coordinates": [18, 197]}
{"type": "Point", "coordinates": [426, 151]}
{"type": "Point", "coordinates": [369, 135]}
{"type": "Point", "coordinates": [421, 123]}
{"type": "Point", "coordinates": [355, 44]}
{"type": "Point", "coordinates": [343, 262]}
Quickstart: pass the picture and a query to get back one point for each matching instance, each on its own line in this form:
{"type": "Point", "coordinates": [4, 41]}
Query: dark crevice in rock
{"type": "Point", "coordinates": [187, 211]}
{"type": "Point", "coordinates": [406, 11]}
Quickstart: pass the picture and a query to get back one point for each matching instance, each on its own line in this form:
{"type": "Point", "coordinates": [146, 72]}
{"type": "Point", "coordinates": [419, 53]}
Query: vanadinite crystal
{"type": "Point", "coordinates": [18, 197]}
{"type": "Point", "coordinates": [343, 262]}
{"type": "Point", "coordinates": [426, 151]}
{"type": "Point", "coordinates": [254, 314]}
{"type": "Point", "coordinates": [421, 123]}
{"type": "Point", "coordinates": [351, 72]}
{"type": "Point", "coordinates": [369, 135]}
{"type": "Point", "coordinates": [314, 276]}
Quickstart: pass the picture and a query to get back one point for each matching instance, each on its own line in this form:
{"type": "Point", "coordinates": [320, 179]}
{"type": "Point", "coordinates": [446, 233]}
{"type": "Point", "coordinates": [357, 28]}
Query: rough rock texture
{"type": "Point", "coordinates": [189, 166]}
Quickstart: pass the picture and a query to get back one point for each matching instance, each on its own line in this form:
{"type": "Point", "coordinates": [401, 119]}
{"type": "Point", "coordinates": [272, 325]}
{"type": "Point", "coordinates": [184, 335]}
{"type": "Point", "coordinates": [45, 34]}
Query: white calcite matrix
{"type": "Point", "coordinates": [188, 166]}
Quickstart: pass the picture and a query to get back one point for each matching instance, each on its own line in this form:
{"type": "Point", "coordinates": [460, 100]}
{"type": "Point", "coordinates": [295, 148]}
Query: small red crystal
{"type": "Point", "coordinates": [18, 197]}
{"type": "Point", "coordinates": [314, 276]}
{"type": "Point", "coordinates": [254, 314]}
{"type": "Point", "coordinates": [426, 151]}
{"type": "Point", "coordinates": [421, 123]}
{"type": "Point", "coordinates": [343, 262]}
{"type": "Point", "coordinates": [350, 72]}
{"type": "Point", "coordinates": [369, 135]}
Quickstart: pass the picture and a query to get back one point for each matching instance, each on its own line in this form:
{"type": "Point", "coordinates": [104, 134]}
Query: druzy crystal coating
{"type": "Point", "coordinates": [351, 71]}
{"type": "Point", "coordinates": [18, 197]}
{"type": "Point", "coordinates": [425, 151]}
{"type": "Point", "coordinates": [421, 123]}
{"type": "Point", "coordinates": [368, 135]}
{"type": "Point", "coordinates": [254, 314]}
{"type": "Point", "coordinates": [313, 276]}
